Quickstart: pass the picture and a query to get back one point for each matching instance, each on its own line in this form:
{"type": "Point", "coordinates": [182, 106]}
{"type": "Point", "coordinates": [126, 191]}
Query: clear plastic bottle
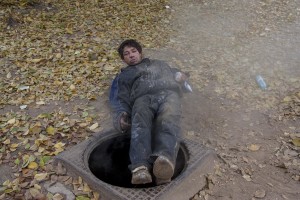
{"type": "Point", "coordinates": [187, 86]}
{"type": "Point", "coordinates": [260, 81]}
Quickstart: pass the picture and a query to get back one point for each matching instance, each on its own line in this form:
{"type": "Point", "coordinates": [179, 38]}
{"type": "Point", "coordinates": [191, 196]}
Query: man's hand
{"type": "Point", "coordinates": [125, 121]}
{"type": "Point", "coordinates": [180, 77]}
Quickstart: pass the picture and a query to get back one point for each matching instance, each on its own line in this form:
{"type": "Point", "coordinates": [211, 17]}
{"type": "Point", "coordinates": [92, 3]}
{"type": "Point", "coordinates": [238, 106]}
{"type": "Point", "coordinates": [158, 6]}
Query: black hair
{"type": "Point", "coordinates": [129, 43]}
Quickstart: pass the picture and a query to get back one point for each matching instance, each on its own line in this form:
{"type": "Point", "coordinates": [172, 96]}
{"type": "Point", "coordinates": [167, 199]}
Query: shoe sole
{"type": "Point", "coordinates": [163, 168]}
{"type": "Point", "coordinates": [142, 179]}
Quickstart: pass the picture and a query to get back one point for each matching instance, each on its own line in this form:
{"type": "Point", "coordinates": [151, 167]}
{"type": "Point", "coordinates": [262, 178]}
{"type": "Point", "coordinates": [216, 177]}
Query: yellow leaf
{"type": "Point", "coordinates": [94, 126]}
{"type": "Point", "coordinates": [40, 176]}
{"type": "Point", "coordinates": [36, 129]}
{"type": "Point", "coordinates": [8, 76]}
{"type": "Point", "coordinates": [72, 87]}
{"type": "Point", "coordinates": [287, 99]}
{"type": "Point", "coordinates": [41, 149]}
{"type": "Point", "coordinates": [58, 55]}
{"type": "Point", "coordinates": [59, 145]}
{"type": "Point", "coordinates": [109, 68]}
{"type": "Point", "coordinates": [58, 83]}
{"type": "Point", "coordinates": [26, 132]}
{"type": "Point", "coordinates": [296, 142]}
{"type": "Point", "coordinates": [247, 177]}
{"type": "Point", "coordinates": [12, 121]}
{"type": "Point", "coordinates": [96, 195]}
{"type": "Point", "coordinates": [36, 186]}
{"type": "Point", "coordinates": [83, 125]}
{"type": "Point", "coordinates": [29, 19]}
{"type": "Point", "coordinates": [7, 141]}
{"type": "Point", "coordinates": [33, 165]}
{"type": "Point", "coordinates": [86, 188]}
{"type": "Point", "coordinates": [36, 60]}
{"type": "Point", "coordinates": [69, 30]}
{"type": "Point", "coordinates": [6, 183]}
{"type": "Point", "coordinates": [34, 192]}
{"type": "Point", "coordinates": [14, 145]}
{"type": "Point", "coordinates": [40, 103]}
{"type": "Point", "coordinates": [57, 196]}
{"type": "Point", "coordinates": [254, 147]}
{"type": "Point", "coordinates": [50, 130]}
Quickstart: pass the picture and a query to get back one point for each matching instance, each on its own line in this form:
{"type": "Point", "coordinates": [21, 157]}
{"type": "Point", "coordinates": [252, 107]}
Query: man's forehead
{"type": "Point", "coordinates": [129, 48]}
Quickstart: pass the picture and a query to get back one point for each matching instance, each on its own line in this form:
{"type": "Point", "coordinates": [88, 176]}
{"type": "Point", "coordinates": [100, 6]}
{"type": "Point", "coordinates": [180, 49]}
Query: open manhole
{"type": "Point", "coordinates": [102, 161]}
{"type": "Point", "coordinates": [110, 159]}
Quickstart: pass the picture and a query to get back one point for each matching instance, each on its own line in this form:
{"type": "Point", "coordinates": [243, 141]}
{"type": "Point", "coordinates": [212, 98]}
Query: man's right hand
{"type": "Point", "coordinates": [180, 77]}
{"type": "Point", "coordinates": [125, 121]}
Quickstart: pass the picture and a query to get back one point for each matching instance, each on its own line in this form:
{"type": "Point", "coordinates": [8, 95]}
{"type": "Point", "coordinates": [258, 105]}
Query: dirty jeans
{"type": "Point", "coordinates": [155, 128]}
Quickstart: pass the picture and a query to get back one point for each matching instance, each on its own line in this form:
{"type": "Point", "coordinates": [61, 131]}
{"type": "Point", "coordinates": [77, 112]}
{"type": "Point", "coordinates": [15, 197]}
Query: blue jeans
{"type": "Point", "coordinates": [155, 128]}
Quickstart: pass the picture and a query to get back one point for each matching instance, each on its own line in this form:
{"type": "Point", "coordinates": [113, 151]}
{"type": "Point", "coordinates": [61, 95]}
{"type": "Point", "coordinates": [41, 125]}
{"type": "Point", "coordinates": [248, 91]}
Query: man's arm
{"type": "Point", "coordinates": [121, 116]}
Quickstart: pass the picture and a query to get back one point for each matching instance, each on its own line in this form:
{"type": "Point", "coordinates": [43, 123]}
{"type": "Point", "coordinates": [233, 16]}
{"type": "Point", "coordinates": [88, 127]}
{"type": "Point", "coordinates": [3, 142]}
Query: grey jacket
{"type": "Point", "coordinates": [134, 81]}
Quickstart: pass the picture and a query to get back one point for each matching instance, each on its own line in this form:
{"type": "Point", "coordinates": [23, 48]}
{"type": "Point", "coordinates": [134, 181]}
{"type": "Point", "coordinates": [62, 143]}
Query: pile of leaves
{"type": "Point", "coordinates": [290, 106]}
{"type": "Point", "coordinates": [60, 50]}
{"type": "Point", "coordinates": [29, 144]}
{"type": "Point", "coordinates": [66, 49]}
{"type": "Point", "coordinates": [288, 155]}
{"type": "Point", "coordinates": [20, 3]}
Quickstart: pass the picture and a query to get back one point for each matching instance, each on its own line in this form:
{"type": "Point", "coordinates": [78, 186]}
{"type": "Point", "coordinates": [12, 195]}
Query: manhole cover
{"type": "Point", "coordinates": [102, 162]}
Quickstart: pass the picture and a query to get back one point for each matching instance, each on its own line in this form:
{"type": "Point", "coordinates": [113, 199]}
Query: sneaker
{"type": "Point", "coordinates": [163, 170]}
{"type": "Point", "coordinates": [141, 175]}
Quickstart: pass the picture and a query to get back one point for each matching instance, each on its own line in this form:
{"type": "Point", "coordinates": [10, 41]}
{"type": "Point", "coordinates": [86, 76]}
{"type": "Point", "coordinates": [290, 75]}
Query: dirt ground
{"type": "Point", "coordinates": [255, 132]}
{"type": "Point", "coordinates": [224, 45]}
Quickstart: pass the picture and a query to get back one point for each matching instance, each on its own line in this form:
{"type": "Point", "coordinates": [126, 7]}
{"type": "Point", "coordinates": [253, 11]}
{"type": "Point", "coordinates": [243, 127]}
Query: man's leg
{"type": "Point", "coordinates": [140, 144]}
{"type": "Point", "coordinates": [166, 137]}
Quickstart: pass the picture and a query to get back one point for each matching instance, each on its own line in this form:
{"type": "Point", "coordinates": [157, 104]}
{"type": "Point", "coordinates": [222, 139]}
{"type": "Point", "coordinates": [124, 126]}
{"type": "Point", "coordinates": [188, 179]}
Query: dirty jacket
{"type": "Point", "coordinates": [134, 81]}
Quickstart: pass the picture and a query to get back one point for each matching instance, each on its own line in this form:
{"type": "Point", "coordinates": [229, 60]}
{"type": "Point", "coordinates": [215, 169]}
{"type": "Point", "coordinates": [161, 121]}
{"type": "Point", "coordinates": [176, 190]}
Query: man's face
{"type": "Point", "coordinates": [131, 56]}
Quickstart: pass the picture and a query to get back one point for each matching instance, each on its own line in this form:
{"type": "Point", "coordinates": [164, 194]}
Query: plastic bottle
{"type": "Point", "coordinates": [187, 86]}
{"type": "Point", "coordinates": [260, 81]}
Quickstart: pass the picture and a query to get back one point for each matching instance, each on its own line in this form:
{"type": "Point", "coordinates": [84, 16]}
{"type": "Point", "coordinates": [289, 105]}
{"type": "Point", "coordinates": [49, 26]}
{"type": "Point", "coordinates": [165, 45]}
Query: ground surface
{"type": "Point", "coordinates": [224, 45]}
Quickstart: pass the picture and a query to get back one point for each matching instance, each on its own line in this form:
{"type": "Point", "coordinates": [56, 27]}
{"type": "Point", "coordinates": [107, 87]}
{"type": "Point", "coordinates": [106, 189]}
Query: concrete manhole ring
{"type": "Point", "coordinates": [102, 162]}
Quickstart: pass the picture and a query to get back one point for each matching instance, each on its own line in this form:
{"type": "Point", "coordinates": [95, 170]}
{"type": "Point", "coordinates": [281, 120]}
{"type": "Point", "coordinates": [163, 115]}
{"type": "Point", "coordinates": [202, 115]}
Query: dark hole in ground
{"type": "Point", "coordinates": [110, 159]}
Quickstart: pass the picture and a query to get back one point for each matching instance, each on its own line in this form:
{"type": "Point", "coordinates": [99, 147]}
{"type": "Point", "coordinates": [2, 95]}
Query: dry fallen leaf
{"type": "Point", "coordinates": [253, 147]}
{"type": "Point", "coordinates": [247, 177]}
{"type": "Point", "coordinates": [32, 165]}
{"type": "Point", "coordinates": [40, 103]}
{"type": "Point", "coordinates": [94, 126]}
{"type": "Point", "coordinates": [296, 142]}
{"type": "Point", "coordinates": [60, 170]}
{"type": "Point", "coordinates": [11, 121]}
{"type": "Point", "coordinates": [57, 196]}
{"type": "Point", "coordinates": [7, 141]}
{"type": "Point", "coordinates": [36, 129]}
{"type": "Point", "coordinates": [86, 188]}
{"type": "Point", "coordinates": [40, 176]}
{"type": "Point", "coordinates": [50, 130]}
{"type": "Point", "coordinates": [59, 145]}
{"type": "Point", "coordinates": [72, 87]}
{"type": "Point", "coordinates": [34, 192]}
{"type": "Point", "coordinates": [8, 76]}
{"type": "Point", "coordinates": [260, 193]}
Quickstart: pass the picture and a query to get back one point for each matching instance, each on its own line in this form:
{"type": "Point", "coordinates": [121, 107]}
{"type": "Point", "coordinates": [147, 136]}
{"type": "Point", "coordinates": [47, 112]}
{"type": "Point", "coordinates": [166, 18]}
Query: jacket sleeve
{"type": "Point", "coordinates": [117, 104]}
